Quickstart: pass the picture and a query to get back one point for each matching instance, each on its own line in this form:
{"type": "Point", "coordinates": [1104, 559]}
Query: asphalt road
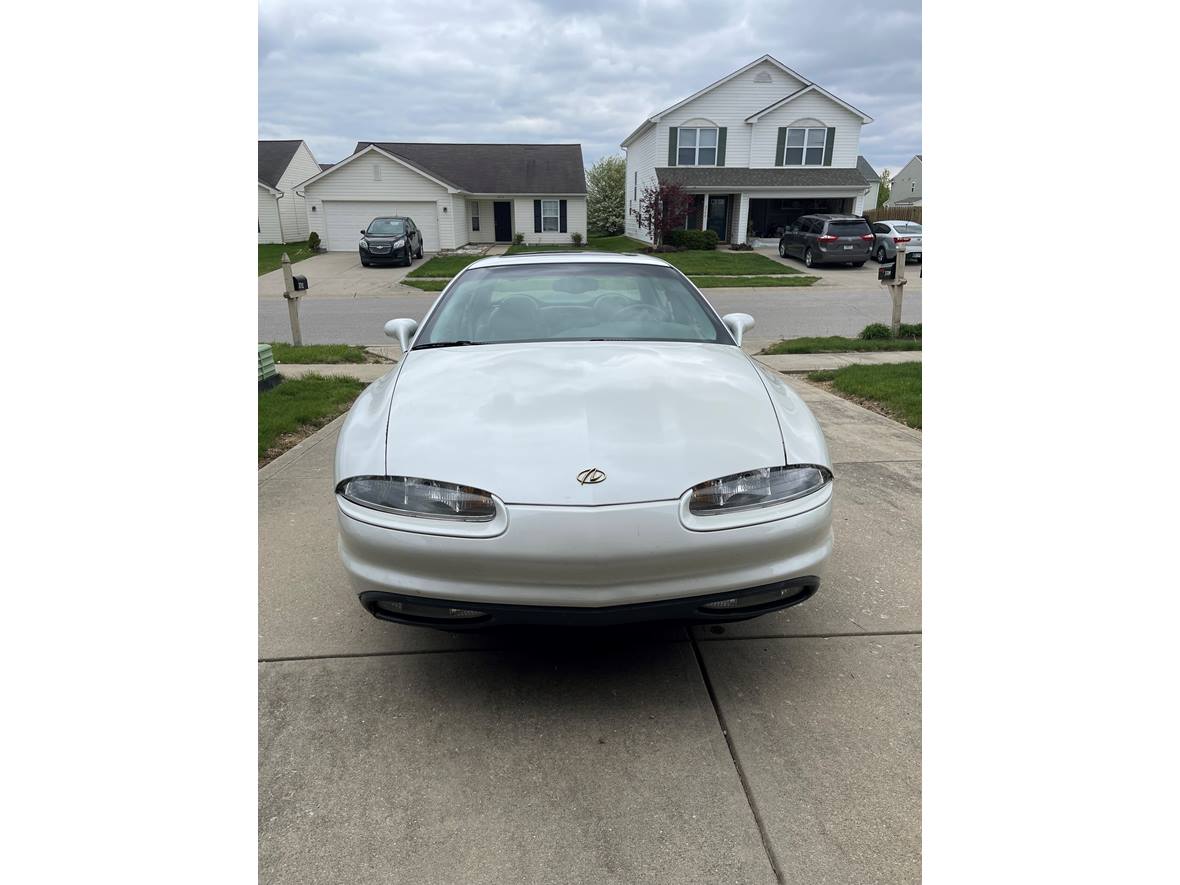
{"type": "Point", "coordinates": [778, 313]}
{"type": "Point", "coordinates": [782, 749]}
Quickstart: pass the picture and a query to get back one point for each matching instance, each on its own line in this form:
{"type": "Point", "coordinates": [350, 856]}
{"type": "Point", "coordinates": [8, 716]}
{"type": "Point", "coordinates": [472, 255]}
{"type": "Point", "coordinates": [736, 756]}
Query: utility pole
{"type": "Point", "coordinates": [292, 296]}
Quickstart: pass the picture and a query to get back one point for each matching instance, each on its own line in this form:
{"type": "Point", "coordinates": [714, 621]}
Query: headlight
{"type": "Point", "coordinates": [399, 242]}
{"type": "Point", "coordinates": [757, 488]}
{"type": "Point", "coordinates": [365, 245]}
{"type": "Point", "coordinates": [410, 496]}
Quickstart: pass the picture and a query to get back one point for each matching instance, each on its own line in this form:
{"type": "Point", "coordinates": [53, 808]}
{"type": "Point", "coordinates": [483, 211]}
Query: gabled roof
{"type": "Point", "coordinates": [866, 169]}
{"type": "Point", "coordinates": [495, 168]}
{"type": "Point", "coordinates": [808, 84]}
{"type": "Point", "coordinates": [273, 190]}
{"type": "Point", "coordinates": [273, 159]}
{"type": "Point", "coordinates": [324, 167]}
{"type": "Point", "coordinates": [773, 177]}
{"type": "Point", "coordinates": [810, 87]}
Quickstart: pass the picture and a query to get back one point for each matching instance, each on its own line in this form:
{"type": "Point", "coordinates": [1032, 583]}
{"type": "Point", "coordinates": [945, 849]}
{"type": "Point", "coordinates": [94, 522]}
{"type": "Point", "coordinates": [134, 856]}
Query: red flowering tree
{"type": "Point", "coordinates": [661, 208]}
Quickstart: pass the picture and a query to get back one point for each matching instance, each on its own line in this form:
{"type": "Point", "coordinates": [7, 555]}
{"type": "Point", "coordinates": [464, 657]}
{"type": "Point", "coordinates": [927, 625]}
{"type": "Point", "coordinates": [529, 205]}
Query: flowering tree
{"type": "Point", "coordinates": [662, 207]}
{"type": "Point", "coordinates": [606, 196]}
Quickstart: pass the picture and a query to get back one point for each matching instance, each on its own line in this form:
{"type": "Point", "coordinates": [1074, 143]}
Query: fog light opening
{"type": "Point", "coordinates": [432, 612]}
{"type": "Point", "coordinates": [761, 599]}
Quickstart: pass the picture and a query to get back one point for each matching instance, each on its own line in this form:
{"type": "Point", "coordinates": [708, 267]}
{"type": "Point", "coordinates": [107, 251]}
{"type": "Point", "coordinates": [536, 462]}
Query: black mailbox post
{"type": "Point", "coordinates": [887, 272]}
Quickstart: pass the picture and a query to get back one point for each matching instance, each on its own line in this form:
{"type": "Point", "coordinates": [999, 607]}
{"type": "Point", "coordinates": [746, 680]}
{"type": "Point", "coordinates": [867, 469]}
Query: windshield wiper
{"type": "Point", "coordinates": [447, 344]}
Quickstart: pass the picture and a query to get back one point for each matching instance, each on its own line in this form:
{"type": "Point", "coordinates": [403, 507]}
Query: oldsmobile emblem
{"type": "Point", "coordinates": [590, 476]}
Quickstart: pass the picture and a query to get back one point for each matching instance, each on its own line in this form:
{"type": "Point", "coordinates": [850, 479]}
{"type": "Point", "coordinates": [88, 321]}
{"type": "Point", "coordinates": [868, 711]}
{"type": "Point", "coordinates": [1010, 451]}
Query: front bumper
{"type": "Point", "coordinates": [587, 558]}
{"type": "Point", "coordinates": [393, 255]}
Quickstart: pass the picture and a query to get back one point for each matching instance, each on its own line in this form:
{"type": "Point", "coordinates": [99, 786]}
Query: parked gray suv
{"type": "Point", "coordinates": [828, 239]}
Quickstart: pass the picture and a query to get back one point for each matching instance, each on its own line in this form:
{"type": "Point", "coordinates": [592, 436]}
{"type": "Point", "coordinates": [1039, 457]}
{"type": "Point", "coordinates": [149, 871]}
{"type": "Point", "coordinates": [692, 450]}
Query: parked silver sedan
{"type": "Point", "coordinates": [579, 438]}
{"type": "Point", "coordinates": [887, 235]}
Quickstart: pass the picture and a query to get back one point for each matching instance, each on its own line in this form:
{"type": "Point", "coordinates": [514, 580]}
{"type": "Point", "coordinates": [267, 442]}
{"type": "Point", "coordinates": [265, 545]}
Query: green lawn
{"type": "Point", "coordinates": [298, 406]}
{"type": "Point", "coordinates": [836, 344]}
{"type": "Point", "coordinates": [322, 354]}
{"type": "Point", "coordinates": [897, 388]}
{"type": "Point", "coordinates": [427, 285]}
{"type": "Point", "coordinates": [722, 262]}
{"type": "Point", "coordinates": [443, 266]}
{"type": "Point", "coordinates": [732, 282]}
{"type": "Point", "coordinates": [595, 244]}
{"type": "Point", "coordinates": [270, 255]}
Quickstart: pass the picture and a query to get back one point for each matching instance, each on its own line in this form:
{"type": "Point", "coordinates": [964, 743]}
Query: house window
{"type": "Point", "coordinates": [475, 215]}
{"type": "Point", "coordinates": [635, 187]}
{"type": "Point", "coordinates": [696, 147]}
{"type": "Point", "coordinates": [805, 147]}
{"type": "Point", "coordinates": [913, 186]}
{"type": "Point", "coordinates": [376, 172]}
{"type": "Point", "coordinates": [550, 215]}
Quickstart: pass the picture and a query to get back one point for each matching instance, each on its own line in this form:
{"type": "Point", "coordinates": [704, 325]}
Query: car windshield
{"type": "Point", "coordinates": [386, 227]}
{"type": "Point", "coordinates": [910, 228]}
{"type": "Point", "coordinates": [848, 228]}
{"type": "Point", "coordinates": [571, 302]}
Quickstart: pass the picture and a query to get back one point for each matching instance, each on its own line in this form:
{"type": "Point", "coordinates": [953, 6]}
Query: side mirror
{"type": "Point", "coordinates": [403, 330]}
{"type": "Point", "coordinates": [738, 324]}
{"type": "Point", "coordinates": [363, 233]}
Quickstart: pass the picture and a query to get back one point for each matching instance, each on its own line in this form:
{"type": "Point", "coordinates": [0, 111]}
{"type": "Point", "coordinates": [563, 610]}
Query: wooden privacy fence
{"type": "Point", "coordinates": [895, 213]}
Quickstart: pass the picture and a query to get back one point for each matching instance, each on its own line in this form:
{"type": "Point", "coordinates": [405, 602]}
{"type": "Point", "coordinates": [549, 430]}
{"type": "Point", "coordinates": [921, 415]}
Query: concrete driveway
{"type": "Point", "coordinates": [783, 749]}
{"type": "Point", "coordinates": [338, 275]}
{"type": "Point", "coordinates": [839, 276]}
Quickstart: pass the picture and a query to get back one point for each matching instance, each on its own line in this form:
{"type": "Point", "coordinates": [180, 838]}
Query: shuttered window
{"type": "Point", "coordinates": [696, 147]}
{"type": "Point", "coordinates": [805, 147]}
{"type": "Point", "coordinates": [550, 216]}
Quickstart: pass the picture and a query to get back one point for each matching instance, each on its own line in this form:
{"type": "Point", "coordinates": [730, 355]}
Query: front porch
{"type": "Point", "coordinates": [761, 218]}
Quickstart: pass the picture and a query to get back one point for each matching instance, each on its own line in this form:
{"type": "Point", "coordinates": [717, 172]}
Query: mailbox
{"type": "Point", "coordinates": [300, 282]}
{"type": "Point", "coordinates": [887, 272]}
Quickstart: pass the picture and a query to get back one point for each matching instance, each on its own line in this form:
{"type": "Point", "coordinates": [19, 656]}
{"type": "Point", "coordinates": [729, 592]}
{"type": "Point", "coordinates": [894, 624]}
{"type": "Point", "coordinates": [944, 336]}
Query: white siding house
{"type": "Point", "coordinates": [270, 228]}
{"type": "Point", "coordinates": [282, 165]}
{"type": "Point", "coordinates": [757, 149]}
{"type": "Point", "coordinates": [455, 193]}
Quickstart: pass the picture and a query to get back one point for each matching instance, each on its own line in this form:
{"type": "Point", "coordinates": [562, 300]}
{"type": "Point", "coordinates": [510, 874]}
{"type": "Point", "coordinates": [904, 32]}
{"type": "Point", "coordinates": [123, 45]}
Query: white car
{"type": "Point", "coordinates": [579, 438]}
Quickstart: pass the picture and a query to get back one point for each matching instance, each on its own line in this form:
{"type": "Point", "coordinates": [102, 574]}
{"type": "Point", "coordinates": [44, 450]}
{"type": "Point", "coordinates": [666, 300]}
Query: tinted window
{"type": "Point", "coordinates": [909, 228]}
{"type": "Point", "coordinates": [880, 228]}
{"type": "Point", "coordinates": [848, 228]}
{"type": "Point", "coordinates": [383, 227]}
{"type": "Point", "coordinates": [571, 302]}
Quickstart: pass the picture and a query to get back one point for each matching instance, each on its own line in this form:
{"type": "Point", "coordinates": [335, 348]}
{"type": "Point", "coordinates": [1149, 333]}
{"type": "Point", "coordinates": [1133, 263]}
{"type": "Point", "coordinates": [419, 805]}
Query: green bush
{"type": "Point", "coordinates": [875, 331]}
{"type": "Point", "coordinates": [577, 238]}
{"type": "Point", "coordinates": [313, 241]}
{"type": "Point", "coordinates": [517, 239]}
{"type": "Point", "coordinates": [909, 330]}
{"type": "Point", "coordinates": [691, 239]}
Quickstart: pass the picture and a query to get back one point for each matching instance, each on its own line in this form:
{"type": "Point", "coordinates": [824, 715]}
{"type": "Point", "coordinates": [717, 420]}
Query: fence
{"type": "Point", "coordinates": [895, 213]}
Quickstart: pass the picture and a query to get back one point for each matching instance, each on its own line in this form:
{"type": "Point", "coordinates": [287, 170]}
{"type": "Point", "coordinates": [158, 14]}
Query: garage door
{"type": "Point", "coordinates": [344, 220]}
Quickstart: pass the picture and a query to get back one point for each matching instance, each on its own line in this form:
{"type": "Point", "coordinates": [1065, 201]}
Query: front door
{"type": "Point", "coordinates": [719, 216]}
{"type": "Point", "coordinates": [503, 218]}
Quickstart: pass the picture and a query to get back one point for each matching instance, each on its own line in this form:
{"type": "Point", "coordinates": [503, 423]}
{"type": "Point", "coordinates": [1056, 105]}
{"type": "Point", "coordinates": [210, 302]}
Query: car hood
{"type": "Point", "coordinates": [523, 420]}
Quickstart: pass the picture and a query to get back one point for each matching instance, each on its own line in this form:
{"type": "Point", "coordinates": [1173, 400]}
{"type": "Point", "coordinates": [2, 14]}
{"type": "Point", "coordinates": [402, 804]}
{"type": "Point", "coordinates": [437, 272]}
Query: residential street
{"type": "Point", "coordinates": [785, 748]}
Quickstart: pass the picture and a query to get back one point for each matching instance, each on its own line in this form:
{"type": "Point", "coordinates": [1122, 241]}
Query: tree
{"type": "Point", "coordinates": [662, 207]}
{"type": "Point", "coordinates": [606, 196]}
{"type": "Point", "coordinates": [884, 189]}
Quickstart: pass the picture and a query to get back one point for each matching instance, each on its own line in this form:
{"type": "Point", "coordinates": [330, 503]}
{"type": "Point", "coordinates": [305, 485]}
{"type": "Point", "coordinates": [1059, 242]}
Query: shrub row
{"type": "Point", "coordinates": [691, 239]}
{"type": "Point", "coordinates": [880, 332]}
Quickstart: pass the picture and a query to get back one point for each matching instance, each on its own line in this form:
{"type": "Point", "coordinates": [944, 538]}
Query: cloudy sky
{"type": "Point", "coordinates": [566, 70]}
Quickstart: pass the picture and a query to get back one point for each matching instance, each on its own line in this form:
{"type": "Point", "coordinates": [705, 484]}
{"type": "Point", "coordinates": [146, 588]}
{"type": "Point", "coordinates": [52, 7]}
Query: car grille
{"type": "Point", "coordinates": [377, 249]}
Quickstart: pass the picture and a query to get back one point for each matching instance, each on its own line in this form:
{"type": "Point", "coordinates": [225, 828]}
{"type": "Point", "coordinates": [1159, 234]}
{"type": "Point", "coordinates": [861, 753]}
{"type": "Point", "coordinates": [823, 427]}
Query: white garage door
{"type": "Point", "coordinates": [344, 220]}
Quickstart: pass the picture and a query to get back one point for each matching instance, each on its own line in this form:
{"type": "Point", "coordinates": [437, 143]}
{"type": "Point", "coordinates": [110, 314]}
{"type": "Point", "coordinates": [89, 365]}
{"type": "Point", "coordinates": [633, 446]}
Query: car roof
{"type": "Point", "coordinates": [390, 217]}
{"type": "Point", "coordinates": [573, 256]}
{"type": "Point", "coordinates": [834, 216]}
{"type": "Point", "coordinates": [899, 221]}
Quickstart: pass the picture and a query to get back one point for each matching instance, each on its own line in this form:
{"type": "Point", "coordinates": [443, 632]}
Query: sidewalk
{"type": "Point", "coordinates": [788, 745]}
{"type": "Point", "coordinates": [815, 362]}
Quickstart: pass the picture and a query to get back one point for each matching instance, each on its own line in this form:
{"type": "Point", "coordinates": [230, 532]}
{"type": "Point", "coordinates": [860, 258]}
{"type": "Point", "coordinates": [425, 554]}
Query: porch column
{"type": "Point", "coordinates": [705, 212]}
{"type": "Point", "coordinates": [743, 217]}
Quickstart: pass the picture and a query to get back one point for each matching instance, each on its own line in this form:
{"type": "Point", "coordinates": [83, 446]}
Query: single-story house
{"type": "Point", "coordinates": [282, 215]}
{"type": "Point", "coordinates": [455, 193]}
{"type": "Point", "coordinates": [872, 179]}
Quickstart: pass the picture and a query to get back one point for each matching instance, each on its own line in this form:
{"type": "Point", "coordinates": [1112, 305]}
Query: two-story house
{"type": "Point", "coordinates": [756, 149]}
{"type": "Point", "coordinates": [906, 189]}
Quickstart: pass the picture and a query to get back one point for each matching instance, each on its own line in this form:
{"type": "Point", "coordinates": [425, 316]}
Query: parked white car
{"type": "Point", "coordinates": [888, 234]}
{"type": "Point", "coordinates": [578, 437]}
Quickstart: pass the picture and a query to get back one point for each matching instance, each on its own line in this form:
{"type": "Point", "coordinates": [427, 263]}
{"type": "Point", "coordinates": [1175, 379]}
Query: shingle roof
{"type": "Point", "coordinates": [496, 168]}
{"type": "Point", "coordinates": [865, 168]}
{"type": "Point", "coordinates": [734, 176]}
{"type": "Point", "coordinates": [273, 159]}
{"type": "Point", "coordinates": [324, 167]}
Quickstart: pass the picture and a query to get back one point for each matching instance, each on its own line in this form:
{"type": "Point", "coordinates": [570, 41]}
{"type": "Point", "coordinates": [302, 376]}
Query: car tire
{"type": "Point", "coordinates": [364, 263]}
{"type": "Point", "coordinates": [881, 255]}
{"type": "Point", "coordinates": [858, 264]}
{"type": "Point", "coordinates": [807, 257]}
{"type": "Point", "coordinates": [782, 250]}
{"type": "Point", "coordinates": [419, 254]}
